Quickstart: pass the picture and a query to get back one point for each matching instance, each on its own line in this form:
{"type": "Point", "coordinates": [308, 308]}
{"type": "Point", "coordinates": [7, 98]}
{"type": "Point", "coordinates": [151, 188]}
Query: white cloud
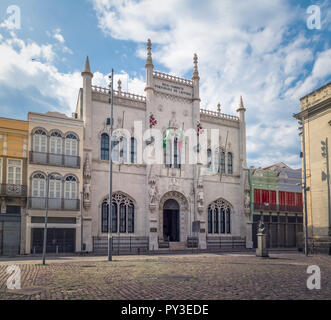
{"type": "Point", "coordinates": [28, 66]}
{"type": "Point", "coordinates": [128, 84]}
{"type": "Point", "coordinates": [58, 36]}
{"type": "Point", "coordinates": [250, 48]}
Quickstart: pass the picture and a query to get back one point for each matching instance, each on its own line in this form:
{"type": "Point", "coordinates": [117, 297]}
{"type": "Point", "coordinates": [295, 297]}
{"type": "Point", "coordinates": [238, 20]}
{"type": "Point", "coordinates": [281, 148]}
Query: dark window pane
{"type": "Point", "coordinates": [104, 217]}
{"type": "Point", "coordinates": [122, 218]}
{"type": "Point", "coordinates": [222, 220]}
{"type": "Point", "coordinates": [210, 222]}
{"type": "Point", "coordinates": [228, 221]}
{"type": "Point", "coordinates": [104, 146]}
{"type": "Point", "coordinates": [216, 221]}
{"type": "Point", "coordinates": [274, 219]}
{"type": "Point", "coordinates": [131, 219]}
{"type": "Point", "coordinates": [114, 218]}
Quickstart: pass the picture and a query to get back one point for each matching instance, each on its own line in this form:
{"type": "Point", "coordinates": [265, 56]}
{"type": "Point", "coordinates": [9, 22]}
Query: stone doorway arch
{"type": "Point", "coordinates": [168, 202]}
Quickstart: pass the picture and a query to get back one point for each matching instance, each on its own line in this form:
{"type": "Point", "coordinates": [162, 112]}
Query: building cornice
{"type": "Point", "coordinates": [314, 109]}
{"type": "Point", "coordinates": [32, 116]}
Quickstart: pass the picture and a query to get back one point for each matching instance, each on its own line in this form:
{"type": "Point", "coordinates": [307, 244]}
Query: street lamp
{"type": "Point", "coordinates": [46, 214]}
{"type": "Point", "coordinates": [111, 101]}
{"type": "Point", "coordinates": [305, 189]}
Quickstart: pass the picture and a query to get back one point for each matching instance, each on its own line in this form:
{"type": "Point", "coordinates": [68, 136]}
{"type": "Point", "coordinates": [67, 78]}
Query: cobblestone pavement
{"type": "Point", "coordinates": [193, 277]}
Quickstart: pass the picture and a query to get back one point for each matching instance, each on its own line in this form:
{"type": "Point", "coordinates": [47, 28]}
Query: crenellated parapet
{"type": "Point", "coordinates": [123, 98]}
{"type": "Point", "coordinates": [204, 113]}
{"type": "Point", "coordinates": [169, 77]}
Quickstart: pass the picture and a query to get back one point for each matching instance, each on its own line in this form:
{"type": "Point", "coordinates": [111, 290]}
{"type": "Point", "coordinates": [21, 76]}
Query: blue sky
{"type": "Point", "coordinates": [261, 50]}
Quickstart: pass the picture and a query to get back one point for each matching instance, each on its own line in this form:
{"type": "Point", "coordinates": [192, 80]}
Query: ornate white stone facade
{"type": "Point", "coordinates": [175, 103]}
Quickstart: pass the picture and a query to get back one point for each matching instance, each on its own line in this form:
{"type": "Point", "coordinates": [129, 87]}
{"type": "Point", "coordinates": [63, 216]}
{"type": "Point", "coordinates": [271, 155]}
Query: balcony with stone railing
{"type": "Point", "coordinates": [218, 115]}
{"type": "Point", "coordinates": [52, 159]}
{"type": "Point", "coordinates": [58, 204]}
{"type": "Point", "coordinates": [13, 190]}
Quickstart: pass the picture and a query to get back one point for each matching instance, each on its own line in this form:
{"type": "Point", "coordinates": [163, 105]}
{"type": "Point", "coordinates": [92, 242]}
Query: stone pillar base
{"type": "Point", "coordinates": [153, 241]}
{"type": "Point", "coordinates": [262, 250]}
{"type": "Point", "coordinates": [249, 241]}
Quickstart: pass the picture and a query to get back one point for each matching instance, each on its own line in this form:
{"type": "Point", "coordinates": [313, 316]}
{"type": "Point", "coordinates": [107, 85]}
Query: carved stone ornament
{"type": "Point", "coordinates": [173, 121]}
{"type": "Point", "coordinates": [247, 200]}
{"type": "Point", "coordinates": [153, 193]}
{"type": "Point", "coordinates": [87, 169]}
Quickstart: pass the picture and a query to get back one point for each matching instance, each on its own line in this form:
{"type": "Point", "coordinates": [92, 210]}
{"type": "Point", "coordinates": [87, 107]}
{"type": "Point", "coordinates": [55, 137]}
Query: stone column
{"type": "Point", "coordinates": [262, 250]}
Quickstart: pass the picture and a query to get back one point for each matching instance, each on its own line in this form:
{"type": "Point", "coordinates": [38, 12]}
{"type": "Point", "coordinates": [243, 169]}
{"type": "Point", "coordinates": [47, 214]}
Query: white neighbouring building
{"type": "Point", "coordinates": [156, 205]}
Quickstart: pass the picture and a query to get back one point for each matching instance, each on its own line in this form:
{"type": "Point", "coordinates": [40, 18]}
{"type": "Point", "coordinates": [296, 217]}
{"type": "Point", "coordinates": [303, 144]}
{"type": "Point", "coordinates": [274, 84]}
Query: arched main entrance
{"type": "Point", "coordinates": [171, 220]}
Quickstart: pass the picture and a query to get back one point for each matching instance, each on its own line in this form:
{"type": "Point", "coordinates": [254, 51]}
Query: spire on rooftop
{"type": "Point", "coordinates": [87, 68]}
{"type": "Point", "coordinates": [149, 60]}
{"type": "Point", "coordinates": [195, 70]}
{"type": "Point", "coordinates": [241, 105]}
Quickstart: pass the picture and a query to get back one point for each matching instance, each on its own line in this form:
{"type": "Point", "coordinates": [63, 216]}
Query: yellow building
{"type": "Point", "coordinates": [316, 112]}
{"type": "Point", "coordinates": [13, 191]}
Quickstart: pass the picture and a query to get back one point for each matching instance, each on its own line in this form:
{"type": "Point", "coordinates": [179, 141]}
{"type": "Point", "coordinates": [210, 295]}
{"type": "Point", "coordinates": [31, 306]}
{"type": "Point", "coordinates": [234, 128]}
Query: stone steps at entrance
{"type": "Point", "coordinates": [177, 246]}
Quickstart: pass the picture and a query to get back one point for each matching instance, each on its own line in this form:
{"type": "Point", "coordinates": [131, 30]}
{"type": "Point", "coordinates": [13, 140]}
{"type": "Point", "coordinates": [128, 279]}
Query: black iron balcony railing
{"type": "Point", "coordinates": [265, 207]}
{"type": "Point", "coordinates": [54, 204]}
{"type": "Point", "coordinates": [60, 160]}
{"type": "Point", "coordinates": [290, 208]}
{"type": "Point", "coordinates": [277, 208]}
{"type": "Point", "coordinates": [13, 190]}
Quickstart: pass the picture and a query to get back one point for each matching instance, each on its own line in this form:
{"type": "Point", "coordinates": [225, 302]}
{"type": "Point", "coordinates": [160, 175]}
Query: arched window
{"type": "Point", "coordinates": [230, 163]}
{"type": "Point", "coordinates": [133, 151]}
{"type": "Point", "coordinates": [56, 143]}
{"type": "Point", "coordinates": [38, 185]}
{"type": "Point", "coordinates": [209, 159]}
{"type": "Point", "coordinates": [70, 187]}
{"type": "Point", "coordinates": [123, 212]}
{"type": "Point", "coordinates": [71, 145]}
{"type": "Point", "coordinates": [104, 146]}
{"type": "Point", "coordinates": [219, 217]}
{"type": "Point", "coordinates": [221, 168]}
{"type": "Point", "coordinates": [55, 184]}
{"type": "Point", "coordinates": [40, 141]}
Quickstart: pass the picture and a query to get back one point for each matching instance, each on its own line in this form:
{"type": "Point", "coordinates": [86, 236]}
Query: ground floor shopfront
{"type": "Point", "coordinates": [63, 233]}
{"type": "Point", "coordinates": [283, 230]}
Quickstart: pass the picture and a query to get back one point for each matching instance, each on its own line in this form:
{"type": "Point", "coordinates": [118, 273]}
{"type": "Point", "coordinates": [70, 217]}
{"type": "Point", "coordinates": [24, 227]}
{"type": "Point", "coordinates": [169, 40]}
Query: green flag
{"type": "Point", "coordinates": [166, 138]}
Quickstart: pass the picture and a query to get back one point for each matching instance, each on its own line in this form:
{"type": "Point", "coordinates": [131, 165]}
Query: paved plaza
{"type": "Point", "coordinates": [186, 276]}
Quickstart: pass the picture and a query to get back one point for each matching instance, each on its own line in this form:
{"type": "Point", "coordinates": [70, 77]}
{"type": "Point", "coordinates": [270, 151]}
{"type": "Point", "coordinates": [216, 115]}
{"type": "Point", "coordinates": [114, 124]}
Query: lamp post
{"type": "Point", "coordinates": [302, 132]}
{"type": "Point", "coordinates": [110, 214]}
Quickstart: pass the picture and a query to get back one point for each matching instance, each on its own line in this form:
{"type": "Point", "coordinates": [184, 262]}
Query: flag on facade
{"type": "Point", "coordinates": [166, 138]}
{"type": "Point", "coordinates": [199, 128]}
{"type": "Point", "coordinates": [152, 121]}
{"type": "Point", "coordinates": [181, 138]}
